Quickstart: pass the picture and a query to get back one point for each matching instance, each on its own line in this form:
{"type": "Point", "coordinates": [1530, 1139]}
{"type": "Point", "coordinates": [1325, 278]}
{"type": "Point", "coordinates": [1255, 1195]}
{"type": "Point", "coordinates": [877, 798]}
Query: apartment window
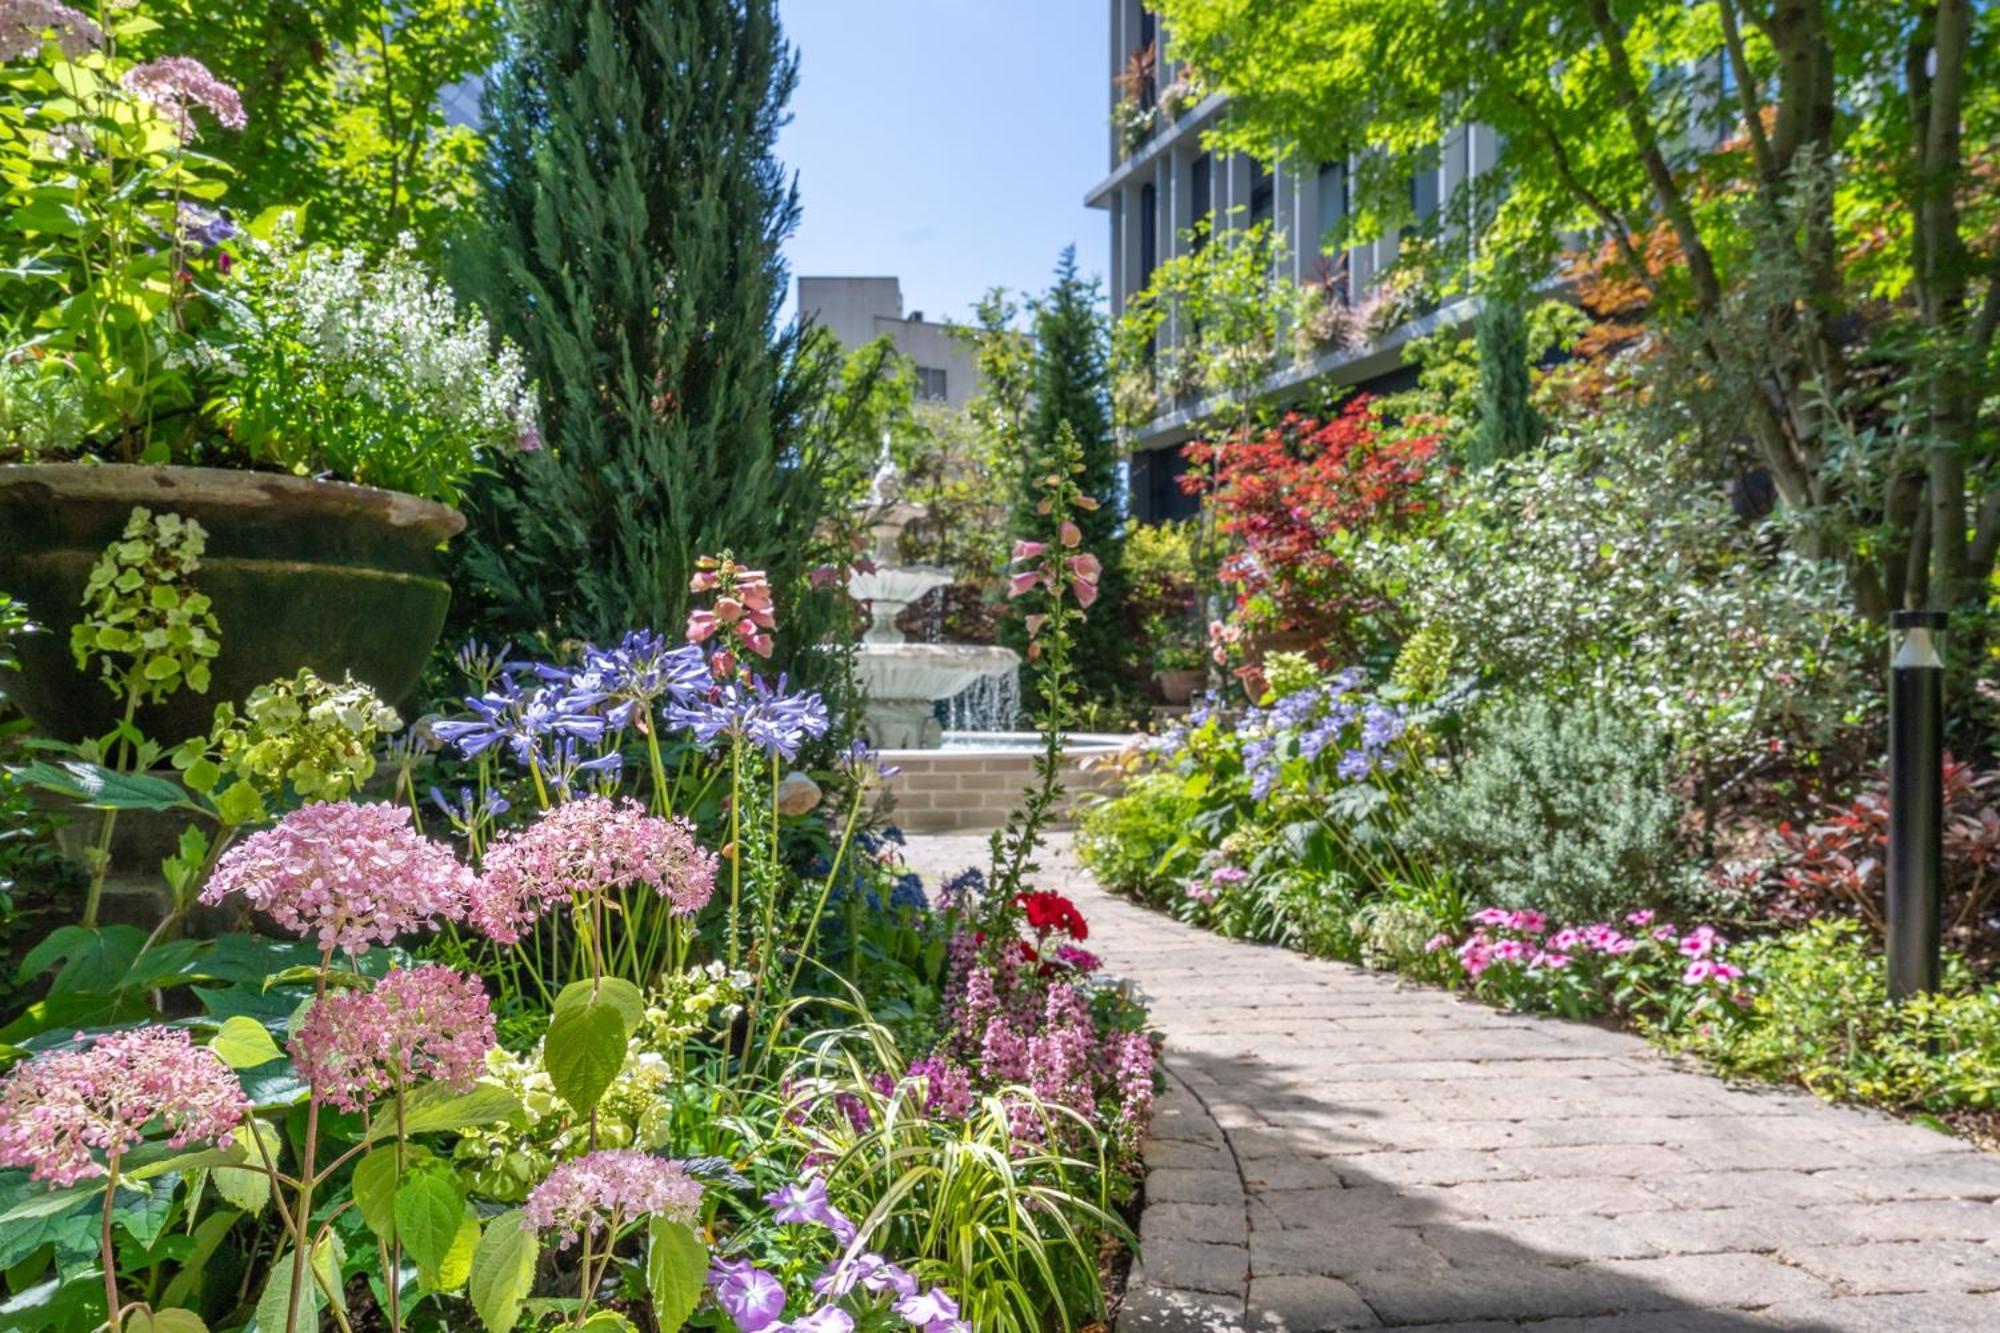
{"type": "Point", "coordinates": [930, 384]}
{"type": "Point", "coordinates": [1425, 194]}
{"type": "Point", "coordinates": [1332, 199]}
{"type": "Point", "coordinates": [1201, 188]}
{"type": "Point", "coordinates": [1263, 196]}
{"type": "Point", "coordinates": [1149, 232]}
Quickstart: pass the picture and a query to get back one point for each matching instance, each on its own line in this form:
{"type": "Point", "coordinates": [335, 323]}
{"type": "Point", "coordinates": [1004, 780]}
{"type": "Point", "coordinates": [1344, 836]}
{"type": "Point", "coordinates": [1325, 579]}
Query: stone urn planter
{"type": "Point", "coordinates": [1177, 687]}
{"type": "Point", "coordinates": [340, 578]}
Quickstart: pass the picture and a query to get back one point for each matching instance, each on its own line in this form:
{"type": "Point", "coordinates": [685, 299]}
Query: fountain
{"type": "Point", "coordinates": [905, 681]}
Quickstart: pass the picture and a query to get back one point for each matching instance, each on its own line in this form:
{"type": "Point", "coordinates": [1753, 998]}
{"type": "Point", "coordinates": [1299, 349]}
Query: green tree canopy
{"type": "Point", "coordinates": [1798, 181]}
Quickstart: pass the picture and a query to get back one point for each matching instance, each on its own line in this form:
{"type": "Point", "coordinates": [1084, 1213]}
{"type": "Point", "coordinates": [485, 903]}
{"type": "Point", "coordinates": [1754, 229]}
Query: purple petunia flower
{"type": "Point", "coordinates": [928, 1310]}
{"type": "Point", "coordinates": [747, 1294]}
{"type": "Point", "coordinates": [806, 1202]}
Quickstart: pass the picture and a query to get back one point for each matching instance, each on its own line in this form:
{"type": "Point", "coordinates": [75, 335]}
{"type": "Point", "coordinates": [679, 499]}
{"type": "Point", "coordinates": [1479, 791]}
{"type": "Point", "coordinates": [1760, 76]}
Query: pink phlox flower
{"type": "Point", "coordinates": [23, 24]}
{"type": "Point", "coordinates": [423, 1024]}
{"type": "Point", "coordinates": [1643, 917]}
{"type": "Point", "coordinates": [1081, 960]}
{"type": "Point", "coordinates": [1567, 939]}
{"type": "Point", "coordinates": [348, 875]}
{"type": "Point", "coordinates": [1493, 916]}
{"type": "Point", "coordinates": [1509, 951]}
{"type": "Point", "coordinates": [583, 848]}
{"type": "Point", "coordinates": [1436, 942]}
{"type": "Point", "coordinates": [1665, 933]}
{"type": "Point", "coordinates": [1700, 942]}
{"type": "Point", "coordinates": [1544, 959]}
{"type": "Point", "coordinates": [602, 1191]}
{"type": "Point", "coordinates": [1532, 923]}
{"type": "Point", "coordinates": [173, 84]}
{"type": "Point", "coordinates": [61, 1107]}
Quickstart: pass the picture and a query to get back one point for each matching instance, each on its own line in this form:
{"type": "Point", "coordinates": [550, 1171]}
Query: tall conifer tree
{"type": "Point", "coordinates": [634, 211]}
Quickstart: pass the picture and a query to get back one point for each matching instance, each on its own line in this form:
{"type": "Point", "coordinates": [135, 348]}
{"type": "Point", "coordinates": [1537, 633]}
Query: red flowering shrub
{"type": "Point", "coordinates": [1292, 495]}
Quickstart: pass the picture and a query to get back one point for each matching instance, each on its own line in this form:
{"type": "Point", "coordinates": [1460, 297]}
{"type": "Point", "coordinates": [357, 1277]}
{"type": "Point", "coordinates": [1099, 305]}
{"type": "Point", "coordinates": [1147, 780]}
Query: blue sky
{"type": "Point", "coordinates": [947, 142]}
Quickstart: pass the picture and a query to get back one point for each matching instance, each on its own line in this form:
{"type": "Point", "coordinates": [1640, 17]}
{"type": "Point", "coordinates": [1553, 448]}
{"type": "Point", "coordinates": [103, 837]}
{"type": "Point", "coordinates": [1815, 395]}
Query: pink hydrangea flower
{"type": "Point", "coordinates": [24, 23]}
{"type": "Point", "coordinates": [173, 84]}
{"type": "Point", "coordinates": [61, 1108]}
{"type": "Point", "coordinates": [424, 1024]}
{"type": "Point", "coordinates": [584, 848]}
{"type": "Point", "coordinates": [604, 1190]}
{"type": "Point", "coordinates": [348, 875]}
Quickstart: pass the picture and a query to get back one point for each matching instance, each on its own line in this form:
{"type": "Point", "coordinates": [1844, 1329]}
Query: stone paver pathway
{"type": "Point", "coordinates": [1336, 1151]}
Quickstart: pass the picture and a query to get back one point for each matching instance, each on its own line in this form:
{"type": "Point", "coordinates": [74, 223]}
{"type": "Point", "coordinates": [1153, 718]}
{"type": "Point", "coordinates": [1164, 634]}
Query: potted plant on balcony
{"type": "Point", "coordinates": [312, 414]}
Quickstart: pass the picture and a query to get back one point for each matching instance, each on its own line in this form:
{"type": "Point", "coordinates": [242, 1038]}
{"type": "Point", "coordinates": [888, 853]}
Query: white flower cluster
{"type": "Point", "coordinates": [392, 333]}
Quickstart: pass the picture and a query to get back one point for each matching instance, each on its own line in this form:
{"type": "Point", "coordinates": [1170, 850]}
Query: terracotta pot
{"type": "Point", "coordinates": [343, 579]}
{"type": "Point", "coordinates": [1177, 687]}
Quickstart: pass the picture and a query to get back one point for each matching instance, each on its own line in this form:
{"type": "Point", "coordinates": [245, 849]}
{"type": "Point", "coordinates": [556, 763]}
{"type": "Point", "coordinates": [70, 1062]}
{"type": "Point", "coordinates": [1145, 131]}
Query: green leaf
{"type": "Point", "coordinates": [375, 1179]}
{"type": "Point", "coordinates": [240, 803]}
{"type": "Point", "coordinates": [247, 1187]}
{"type": "Point", "coordinates": [275, 1303]}
{"type": "Point", "coordinates": [608, 1321]}
{"type": "Point", "coordinates": [435, 1107]}
{"type": "Point", "coordinates": [457, 1266]}
{"type": "Point", "coordinates": [627, 998]}
{"type": "Point", "coordinates": [164, 1321]}
{"type": "Point", "coordinates": [676, 1271]}
{"type": "Point", "coordinates": [98, 788]}
{"type": "Point", "coordinates": [244, 1043]}
{"type": "Point", "coordinates": [503, 1269]}
{"type": "Point", "coordinates": [584, 1051]}
{"type": "Point", "coordinates": [430, 1201]}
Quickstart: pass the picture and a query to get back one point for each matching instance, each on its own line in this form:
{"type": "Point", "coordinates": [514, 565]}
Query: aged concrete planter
{"type": "Point", "coordinates": [340, 578]}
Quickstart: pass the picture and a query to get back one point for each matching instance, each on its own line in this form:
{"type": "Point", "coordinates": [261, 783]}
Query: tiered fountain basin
{"type": "Point", "coordinates": [905, 681]}
{"type": "Point", "coordinates": [975, 779]}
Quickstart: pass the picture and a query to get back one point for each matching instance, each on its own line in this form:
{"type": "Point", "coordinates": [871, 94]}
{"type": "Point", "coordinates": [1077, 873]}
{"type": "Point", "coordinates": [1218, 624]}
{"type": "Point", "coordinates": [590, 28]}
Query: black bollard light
{"type": "Point", "coordinates": [1916, 799]}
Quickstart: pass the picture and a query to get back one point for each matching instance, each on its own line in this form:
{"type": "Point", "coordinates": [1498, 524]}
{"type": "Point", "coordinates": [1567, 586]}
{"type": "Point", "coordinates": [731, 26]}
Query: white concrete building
{"type": "Point", "coordinates": [859, 310]}
{"type": "Point", "coordinates": [1162, 180]}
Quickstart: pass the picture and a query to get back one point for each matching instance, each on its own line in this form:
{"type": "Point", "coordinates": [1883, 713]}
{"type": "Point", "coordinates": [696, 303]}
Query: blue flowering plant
{"type": "Point", "coordinates": [1316, 777]}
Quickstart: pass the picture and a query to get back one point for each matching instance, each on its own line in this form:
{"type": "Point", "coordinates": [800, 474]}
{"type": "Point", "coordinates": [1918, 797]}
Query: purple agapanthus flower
{"type": "Point", "coordinates": [747, 1294]}
{"type": "Point", "coordinates": [646, 667]}
{"type": "Point", "coordinates": [762, 714]}
{"type": "Point", "coordinates": [862, 761]}
{"type": "Point", "coordinates": [525, 719]}
{"type": "Point", "coordinates": [1262, 779]}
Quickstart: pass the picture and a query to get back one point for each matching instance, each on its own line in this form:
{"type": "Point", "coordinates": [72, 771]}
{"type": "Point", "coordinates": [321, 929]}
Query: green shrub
{"type": "Point", "coordinates": [1820, 1015]}
{"type": "Point", "coordinates": [1133, 842]}
{"type": "Point", "coordinates": [1561, 809]}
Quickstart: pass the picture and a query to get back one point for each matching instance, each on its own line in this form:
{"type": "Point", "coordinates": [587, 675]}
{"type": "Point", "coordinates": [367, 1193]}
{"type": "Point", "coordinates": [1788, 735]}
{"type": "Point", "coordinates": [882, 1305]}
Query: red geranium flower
{"type": "Point", "coordinates": [1051, 911]}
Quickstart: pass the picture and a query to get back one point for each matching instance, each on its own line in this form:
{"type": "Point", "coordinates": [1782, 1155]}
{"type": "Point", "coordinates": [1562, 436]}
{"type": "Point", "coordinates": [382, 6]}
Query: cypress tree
{"type": "Point", "coordinates": [633, 214]}
{"type": "Point", "coordinates": [1072, 388]}
{"type": "Point", "coordinates": [1508, 423]}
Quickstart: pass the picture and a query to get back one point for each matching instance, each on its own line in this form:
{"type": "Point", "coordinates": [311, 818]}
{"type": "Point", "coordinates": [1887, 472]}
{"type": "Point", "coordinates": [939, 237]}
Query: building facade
{"type": "Point", "coordinates": [1161, 180]}
{"type": "Point", "coordinates": [859, 310]}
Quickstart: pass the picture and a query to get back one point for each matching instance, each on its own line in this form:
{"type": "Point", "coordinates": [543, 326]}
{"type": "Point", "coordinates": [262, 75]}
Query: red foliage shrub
{"type": "Point", "coordinates": [1291, 495]}
{"type": "Point", "coordinates": [1838, 863]}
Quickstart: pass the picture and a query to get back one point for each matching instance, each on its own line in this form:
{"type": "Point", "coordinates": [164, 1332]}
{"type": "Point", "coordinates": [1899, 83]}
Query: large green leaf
{"type": "Point", "coordinates": [503, 1269]}
{"type": "Point", "coordinates": [584, 1051]}
{"type": "Point", "coordinates": [164, 1321]}
{"type": "Point", "coordinates": [627, 998]}
{"type": "Point", "coordinates": [275, 1303]}
{"type": "Point", "coordinates": [244, 1043]}
{"type": "Point", "coordinates": [247, 1186]}
{"type": "Point", "coordinates": [456, 1268]}
{"type": "Point", "coordinates": [436, 1107]}
{"type": "Point", "coordinates": [98, 788]}
{"type": "Point", "coordinates": [376, 1176]}
{"type": "Point", "coordinates": [676, 1271]}
{"type": "Point", "coordinates": [430, 1204]}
